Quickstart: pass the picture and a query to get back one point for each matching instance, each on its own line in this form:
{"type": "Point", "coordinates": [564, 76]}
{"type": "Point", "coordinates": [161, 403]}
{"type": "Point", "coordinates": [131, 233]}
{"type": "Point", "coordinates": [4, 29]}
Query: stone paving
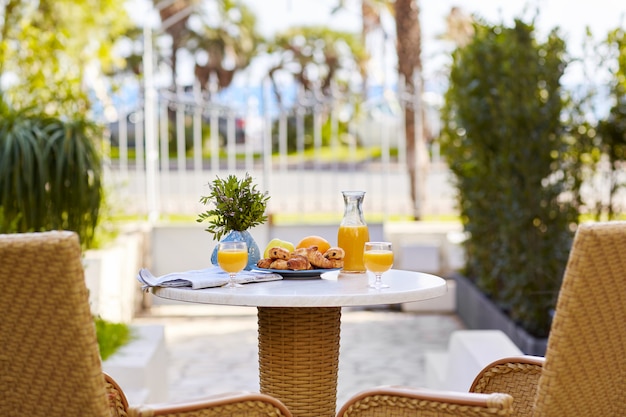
{"type": "Point", "coordinates": [213, 349]}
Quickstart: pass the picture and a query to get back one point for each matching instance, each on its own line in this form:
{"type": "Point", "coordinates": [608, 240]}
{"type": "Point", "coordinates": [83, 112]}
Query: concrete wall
{"type": "Point", "coordinates": [114, 293]}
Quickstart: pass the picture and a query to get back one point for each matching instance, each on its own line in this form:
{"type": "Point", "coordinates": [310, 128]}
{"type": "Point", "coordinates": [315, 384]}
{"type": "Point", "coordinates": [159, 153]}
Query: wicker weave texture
{"type": "Point", "coordinates": [400, 406]}
{"type": "Point", "coordinates": [585, 369]}
{"type": "Point", "coordinates": [299, 357]}
{"type": "Point", "coordinates": [118, 404]}
{"type": "Point", "coordinates": [49, 362]}
{"type": "Point", "coordinates": [514, 378]}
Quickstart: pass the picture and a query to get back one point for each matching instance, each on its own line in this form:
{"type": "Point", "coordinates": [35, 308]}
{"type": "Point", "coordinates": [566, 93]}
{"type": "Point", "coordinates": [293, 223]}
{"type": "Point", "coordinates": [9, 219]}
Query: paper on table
{"type": "Point", "coordinates": [202, 278]}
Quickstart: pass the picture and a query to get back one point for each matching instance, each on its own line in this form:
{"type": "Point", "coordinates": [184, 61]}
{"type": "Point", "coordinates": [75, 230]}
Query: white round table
{"type": "Point", "coordinates": [299, 324]}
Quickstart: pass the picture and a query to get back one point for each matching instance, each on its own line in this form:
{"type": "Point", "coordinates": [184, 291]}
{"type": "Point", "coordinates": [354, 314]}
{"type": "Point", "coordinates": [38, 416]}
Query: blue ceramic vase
{"type": "Point", "coordinates": [254, 254]}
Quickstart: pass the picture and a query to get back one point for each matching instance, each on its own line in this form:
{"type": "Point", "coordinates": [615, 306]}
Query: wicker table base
{"type": "Point", "coordinates": [299, 357]}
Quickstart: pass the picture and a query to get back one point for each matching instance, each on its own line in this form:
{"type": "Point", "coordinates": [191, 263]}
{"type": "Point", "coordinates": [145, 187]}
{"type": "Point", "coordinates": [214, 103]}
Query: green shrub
{"type": "Point", "coordinates": [612, 130]}
{"type": "Point", "coordinates": [111, 336]}
{"type": "Point", "coordinates": [515, 167]}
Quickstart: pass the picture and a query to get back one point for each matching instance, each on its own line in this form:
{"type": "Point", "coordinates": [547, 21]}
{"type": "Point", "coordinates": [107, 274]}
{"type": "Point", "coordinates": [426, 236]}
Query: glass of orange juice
{"type": "Point", "coordinates": [232, 257]}
{"type": "Point", "coordinates": [378, 258]}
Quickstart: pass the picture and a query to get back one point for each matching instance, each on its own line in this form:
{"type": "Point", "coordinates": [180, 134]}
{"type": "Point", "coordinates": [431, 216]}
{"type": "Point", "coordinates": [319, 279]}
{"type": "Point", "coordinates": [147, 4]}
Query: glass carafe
{"type": "Point", "coordinates": [353, 232]}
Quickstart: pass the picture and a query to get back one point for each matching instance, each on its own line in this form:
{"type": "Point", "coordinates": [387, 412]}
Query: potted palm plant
{"type": "Point", "coordinates": [236, 206]}
{"type": "Point", "coordinates": [50, 177]}
{"type": "Point", "coordinates": [50, 174]}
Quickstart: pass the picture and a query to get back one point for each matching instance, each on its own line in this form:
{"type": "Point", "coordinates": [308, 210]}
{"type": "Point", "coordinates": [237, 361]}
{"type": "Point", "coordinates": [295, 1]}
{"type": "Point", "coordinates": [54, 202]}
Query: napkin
{"type": "Point", "coordinates": [202, 278]}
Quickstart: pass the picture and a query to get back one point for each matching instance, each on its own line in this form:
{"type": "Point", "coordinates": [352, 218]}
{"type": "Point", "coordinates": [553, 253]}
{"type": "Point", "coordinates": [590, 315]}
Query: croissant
{"type": "Point", "coordinates": [336, 263]}
{"type": "Point", "coordinates": [317, 259]}
{"type": "Point", "coordinates": [264, 263]}
{"type": "Point", "coordinates": [279, 253]}
{"type": "Point", "coordinates": [279, 264]}
{"type": "Point", "coordinates": [298, 263]}
{"type": "Point", "coordinates": [334, 253]}
{"type": "Point", "coordinates": [302, 259]}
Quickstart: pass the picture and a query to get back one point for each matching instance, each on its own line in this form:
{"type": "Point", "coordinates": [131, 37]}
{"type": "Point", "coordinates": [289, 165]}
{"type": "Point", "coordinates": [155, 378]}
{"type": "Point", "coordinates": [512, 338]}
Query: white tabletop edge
{"type": "Point", "coordinates": [336, 291]}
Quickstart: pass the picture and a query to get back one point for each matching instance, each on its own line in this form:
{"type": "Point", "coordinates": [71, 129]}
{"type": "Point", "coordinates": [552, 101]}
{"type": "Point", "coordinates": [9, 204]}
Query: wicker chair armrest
{"type": "Point", "coordinates": [118, 404]}
{"type": "Point", "coordinates": [517, 376]}
{"type": "Point", "coordinates": [235, 403]}
{"type": "Point", "coordinates": [406, 401]}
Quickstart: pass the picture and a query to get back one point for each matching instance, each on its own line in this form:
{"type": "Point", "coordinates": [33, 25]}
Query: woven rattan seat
{"type": "Point", "coordinates": [584, 371]}
{"type": "Point", "coordinates": [49, 361]}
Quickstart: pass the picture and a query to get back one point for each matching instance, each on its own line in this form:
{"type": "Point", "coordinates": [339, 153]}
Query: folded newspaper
{"type": "Point", "coordinates": [202, 278]}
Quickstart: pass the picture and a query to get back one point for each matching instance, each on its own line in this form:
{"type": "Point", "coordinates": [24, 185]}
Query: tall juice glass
{"type": "Point", "coordinates": [353, 232]}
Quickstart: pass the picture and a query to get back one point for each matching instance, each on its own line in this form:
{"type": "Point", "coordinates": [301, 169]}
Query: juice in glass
{"type": "Point", "coordinates": [378, 261]}
{"type": "Point", "coordinates": [352, 240]}
{"type": "Point", "coordinates": [232, 260]}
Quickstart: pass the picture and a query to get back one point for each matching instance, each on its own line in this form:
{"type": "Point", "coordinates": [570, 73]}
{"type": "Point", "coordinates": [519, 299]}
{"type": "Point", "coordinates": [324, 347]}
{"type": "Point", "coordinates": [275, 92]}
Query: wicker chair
{"type": "Point", "coordinates": [584, 370]}
{"type": "Point", "coordinates": [49, 361]}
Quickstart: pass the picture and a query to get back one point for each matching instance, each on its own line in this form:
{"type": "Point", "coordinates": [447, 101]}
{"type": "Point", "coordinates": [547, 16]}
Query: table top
{"type": "Point", "coordinates": [332, 289]}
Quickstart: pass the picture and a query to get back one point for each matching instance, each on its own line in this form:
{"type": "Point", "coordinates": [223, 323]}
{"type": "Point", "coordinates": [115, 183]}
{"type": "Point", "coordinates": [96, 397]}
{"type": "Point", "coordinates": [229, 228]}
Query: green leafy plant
{"type": "Point", "coordinates": [50, 174]}
{"type": "Point", "coordinates": [8, 225]}
{"type": "Point", "coordinates": [237, 205]}
{"type": "Point", "coordinates": [612, 130]}
{"type": "Point", "coordinates": [111, 336]}
{"type": "Point", "coordinates": [515, 167]}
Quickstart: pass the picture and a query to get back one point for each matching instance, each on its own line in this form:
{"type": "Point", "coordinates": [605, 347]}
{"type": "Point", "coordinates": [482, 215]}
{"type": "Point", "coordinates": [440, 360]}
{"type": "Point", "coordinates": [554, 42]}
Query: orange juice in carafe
{"type": "Point", "coordinates": [352, 240]}
{"type": "Point", "coordinates": [353, 232]}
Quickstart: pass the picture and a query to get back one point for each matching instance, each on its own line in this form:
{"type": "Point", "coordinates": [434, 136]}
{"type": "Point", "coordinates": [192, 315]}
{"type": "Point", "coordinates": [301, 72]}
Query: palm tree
{"type": "Point", "coordinates": [459, 27]}
{"type": "Point", "coordinates": [221, 49]}
{"type": "Point", "coordinates": [175, 12]}
{"type": "Point", "coordinates": [315, 58]}
{"type": "Point", "coordinates": [227, 48]}
{"type": "Point", "coordinates": [409, 48]}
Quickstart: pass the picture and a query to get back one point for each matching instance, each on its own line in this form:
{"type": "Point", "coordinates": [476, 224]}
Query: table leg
{"type": "Point", "coordinates": [299, 357]}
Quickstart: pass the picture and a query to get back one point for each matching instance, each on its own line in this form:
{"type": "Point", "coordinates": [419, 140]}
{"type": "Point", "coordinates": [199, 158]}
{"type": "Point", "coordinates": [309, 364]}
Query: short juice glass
{"type": "Point", "coordinates": [232, 257]}
{"type": "Point", "coordinates": [378, 258]}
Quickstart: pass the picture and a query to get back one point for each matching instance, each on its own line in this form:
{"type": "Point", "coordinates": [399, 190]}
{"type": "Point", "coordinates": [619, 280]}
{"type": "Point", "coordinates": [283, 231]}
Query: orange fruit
{"type": "Point", "coordinates": [322, 244]}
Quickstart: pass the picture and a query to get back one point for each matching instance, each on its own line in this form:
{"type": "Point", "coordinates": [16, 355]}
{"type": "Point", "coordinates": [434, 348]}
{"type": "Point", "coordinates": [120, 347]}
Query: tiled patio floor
{"type": "Point", "coordinates": [213, 349]}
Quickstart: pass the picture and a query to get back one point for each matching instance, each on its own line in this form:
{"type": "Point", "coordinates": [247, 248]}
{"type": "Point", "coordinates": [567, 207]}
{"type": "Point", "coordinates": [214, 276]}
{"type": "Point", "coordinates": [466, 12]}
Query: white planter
{"type": "Point", "coordinates": [114, 292]}
{"type": "Point", "coordinates": [140, 367]}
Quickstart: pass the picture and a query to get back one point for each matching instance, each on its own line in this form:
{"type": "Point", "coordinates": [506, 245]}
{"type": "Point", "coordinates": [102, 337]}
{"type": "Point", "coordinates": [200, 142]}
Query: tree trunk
{"type": "Point", "coordinates": [409, 45]}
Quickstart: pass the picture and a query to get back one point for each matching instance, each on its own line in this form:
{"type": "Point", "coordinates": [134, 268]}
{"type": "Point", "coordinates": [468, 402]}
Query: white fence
{"type": "Point", "coordinates": [188, 151]}
{"type": "Point", "coordinates": [301, 157]}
